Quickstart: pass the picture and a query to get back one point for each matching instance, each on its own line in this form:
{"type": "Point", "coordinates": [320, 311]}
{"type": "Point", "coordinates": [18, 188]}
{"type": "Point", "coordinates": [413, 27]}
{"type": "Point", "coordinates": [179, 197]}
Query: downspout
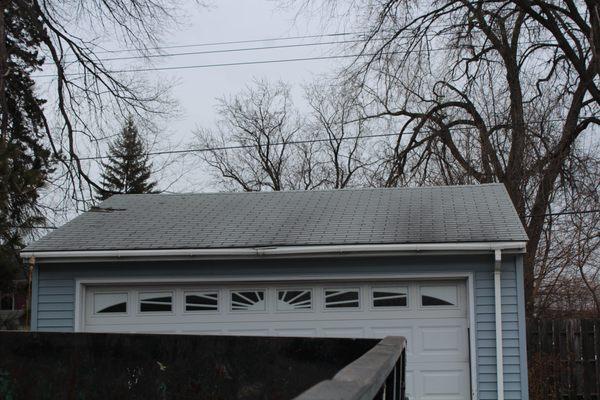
{"type": "Point", "coordinates": [29, 301]}
{"type": "Point", "coordinates": [498, 303]}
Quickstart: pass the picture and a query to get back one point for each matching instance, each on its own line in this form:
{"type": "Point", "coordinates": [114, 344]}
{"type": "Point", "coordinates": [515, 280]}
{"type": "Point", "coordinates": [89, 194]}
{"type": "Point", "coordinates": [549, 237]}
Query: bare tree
{"type": "Point", "coordinates": [250, 145]}
{"type": "Point", "coordinates": [482, 92]}
{"type": "Point", "coordinates": [89, 91]}
{"type": "Point", "coordinates": [338, 123]}
{"type": "Point", "coordinates": [261, 143]}
{"type": "Point", "coordinates": [567, 275]}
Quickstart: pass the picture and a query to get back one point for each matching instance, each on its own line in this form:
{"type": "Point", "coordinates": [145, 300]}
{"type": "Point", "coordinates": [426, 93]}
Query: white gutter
{"type": "Point", "coordinates": [517, 247]}
{"type": "Point", "coordinates": [498, 303]}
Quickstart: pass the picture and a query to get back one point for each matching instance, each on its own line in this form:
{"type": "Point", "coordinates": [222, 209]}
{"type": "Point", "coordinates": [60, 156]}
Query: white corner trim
{"type": "Point", "coordinates": [283, 251]}
{"type": "Point", "coordinates": [472, 335]}
{"type": "Point", "coordinates": [498, 318]}
{"type": "Point", "coordinates": [82, 283]}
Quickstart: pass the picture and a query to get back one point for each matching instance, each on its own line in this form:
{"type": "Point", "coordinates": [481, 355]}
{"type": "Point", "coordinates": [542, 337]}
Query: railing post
{"type": "Point", "coordinates": [403, 375]}
{"type": "Point", "coordinates": [378, 374]}
{"type": "Point", "coordinates": [390, 385]}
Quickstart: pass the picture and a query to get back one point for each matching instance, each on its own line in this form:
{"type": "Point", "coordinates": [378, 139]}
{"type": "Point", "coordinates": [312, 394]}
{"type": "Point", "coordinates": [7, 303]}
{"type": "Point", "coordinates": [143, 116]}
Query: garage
{"type": "Point", "coordinates": [442, 266]}
{"type": "Point", "coordinates": [432, 315]}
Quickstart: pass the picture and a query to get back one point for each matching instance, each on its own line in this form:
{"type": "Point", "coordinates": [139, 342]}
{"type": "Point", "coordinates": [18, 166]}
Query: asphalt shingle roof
{"type": "Point", "coordinates": [448, 214]}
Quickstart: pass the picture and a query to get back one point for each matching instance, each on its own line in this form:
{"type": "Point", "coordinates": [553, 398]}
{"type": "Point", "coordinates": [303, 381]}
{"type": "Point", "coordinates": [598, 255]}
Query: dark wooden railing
{"type": "Point", "coordinates": [378, 374]}
{"type": "Point", "coordinates": [95, 366]}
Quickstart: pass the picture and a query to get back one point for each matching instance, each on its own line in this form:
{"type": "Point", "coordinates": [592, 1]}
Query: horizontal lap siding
{"type": "Point", "coordinates": [56, 302]}
{"type": "Point", "coordinates": [56, 295]}
{"type": "Point", "coordinates": [486, 333]}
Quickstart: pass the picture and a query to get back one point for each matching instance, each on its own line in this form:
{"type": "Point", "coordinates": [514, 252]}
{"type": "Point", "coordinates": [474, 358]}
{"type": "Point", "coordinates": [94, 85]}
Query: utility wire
{"type": "Point", "coordinates": [564, 213]}
{"type": "Point", "coordinates": [249, 146]}
{"type": "Point", "coordinates": [254, 62]}
{"type": "Point", "coordinates": [239, 49]}
{"type": "Point", "coordinates": [207, 44]}
{"type": "Point", "coordinates": [272, 61]}
{"type": "Point", "coordinates": [362, 34]}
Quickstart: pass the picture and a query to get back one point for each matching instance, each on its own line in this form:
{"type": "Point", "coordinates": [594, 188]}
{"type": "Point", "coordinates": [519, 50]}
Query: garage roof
{"type": "Point", "coordinates": [447, 214]}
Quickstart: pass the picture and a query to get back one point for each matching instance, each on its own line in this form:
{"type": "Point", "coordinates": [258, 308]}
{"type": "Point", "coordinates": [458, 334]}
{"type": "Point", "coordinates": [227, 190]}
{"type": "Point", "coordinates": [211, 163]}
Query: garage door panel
{"type": "Point", "coordinates": [343, 332]}
{"type": "Point", "coordinates": [442, 343]}
{"type": "Point", "coordinates": [210, 332]}
{"type": "Point", "coordinates": [436, 330]}
{"type": "Point", "coordinates": [295, 332]}
{"type": "Point", "coordinates": [443, 384]}
{"type": "Point", "coordinates": [248, 332]}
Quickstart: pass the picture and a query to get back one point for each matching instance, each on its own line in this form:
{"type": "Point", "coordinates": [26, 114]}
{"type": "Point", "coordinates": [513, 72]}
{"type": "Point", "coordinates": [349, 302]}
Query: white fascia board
{"type": "Point", "coordinates": [284, 251]}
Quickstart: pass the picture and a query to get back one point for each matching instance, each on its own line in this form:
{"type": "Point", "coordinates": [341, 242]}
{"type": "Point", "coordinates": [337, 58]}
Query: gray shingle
{"type": "Point", "coordinates": [482, 213]}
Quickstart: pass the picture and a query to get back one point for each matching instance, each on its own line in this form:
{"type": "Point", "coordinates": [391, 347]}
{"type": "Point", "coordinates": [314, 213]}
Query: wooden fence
{"type": "Point", "coordinates": [564, 359]}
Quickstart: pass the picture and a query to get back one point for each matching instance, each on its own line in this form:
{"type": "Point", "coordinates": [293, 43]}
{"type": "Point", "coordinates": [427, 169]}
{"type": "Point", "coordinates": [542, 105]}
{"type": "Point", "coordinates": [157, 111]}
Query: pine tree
{"type": "Point", "coordinates": [25, 160]}
{"type": "Point", "coordinates": [127, 169]}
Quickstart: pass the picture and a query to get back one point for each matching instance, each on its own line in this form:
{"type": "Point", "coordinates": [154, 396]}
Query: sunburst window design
{"type": "Point", "coordinates": [201, 301]}
{"type": "Point", "coordinates": [291, 300]}
{"type": "Point", "coordinates": [342, 298]}
{"type": "Point", "coordinates": [248, 300]}
{"type": "Point", "coordinates": [390, 297]}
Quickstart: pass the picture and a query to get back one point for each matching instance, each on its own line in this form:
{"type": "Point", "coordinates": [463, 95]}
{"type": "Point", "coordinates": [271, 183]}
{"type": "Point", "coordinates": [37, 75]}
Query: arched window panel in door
{"type": "Point", "coordinates": [110, 303]}
{"type": "Point", "coordinates": [439, 295]}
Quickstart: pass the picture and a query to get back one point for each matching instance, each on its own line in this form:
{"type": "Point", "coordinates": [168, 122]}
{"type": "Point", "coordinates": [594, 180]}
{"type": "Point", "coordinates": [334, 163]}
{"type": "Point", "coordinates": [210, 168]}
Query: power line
{"type": "Point", "coordinates": [291, 142]}
{"type": "Point", "coordinates": [207, 44]}
{"type": "Point", "coordinates": [269, 39]}
{"type": "Point", "coordinates": [236, 50]}
{"type": "Point", "coordinates": [564, 213]}
{"type": "Point", "coordinates": [239, 63]}
{"type": "Point", "coordinates": [249, 146]}
{"type": "Point", "coordinates": [231, 64]}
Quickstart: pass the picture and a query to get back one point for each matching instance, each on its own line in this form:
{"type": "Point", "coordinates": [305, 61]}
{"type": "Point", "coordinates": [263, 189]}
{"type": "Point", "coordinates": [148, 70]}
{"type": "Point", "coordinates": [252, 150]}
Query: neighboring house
{"type": "Point", "coordinates": [442, 266]}
{"type": "Point", "coordinates": [12, 307]}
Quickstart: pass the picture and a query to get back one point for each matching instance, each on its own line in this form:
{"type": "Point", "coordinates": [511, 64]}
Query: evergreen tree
{"type": "Point", "coordinates": [127, 169]}
{"type": "Point", "coordinates": [25, 160]}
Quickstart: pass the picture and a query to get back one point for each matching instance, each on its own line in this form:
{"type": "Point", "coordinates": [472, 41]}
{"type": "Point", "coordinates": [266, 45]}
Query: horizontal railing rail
{"type": "Point", "coordinates": [378, 374]}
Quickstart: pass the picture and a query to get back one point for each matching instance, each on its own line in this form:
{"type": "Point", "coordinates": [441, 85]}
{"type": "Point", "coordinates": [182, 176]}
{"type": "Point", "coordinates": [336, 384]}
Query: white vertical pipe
{"type": "Point", "coordinates": [498, 303]}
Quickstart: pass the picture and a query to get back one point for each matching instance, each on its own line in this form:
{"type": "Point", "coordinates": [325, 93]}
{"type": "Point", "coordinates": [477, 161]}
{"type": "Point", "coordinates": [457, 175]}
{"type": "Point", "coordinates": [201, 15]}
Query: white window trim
{"type": "Point", "coordinates": [81, 283]}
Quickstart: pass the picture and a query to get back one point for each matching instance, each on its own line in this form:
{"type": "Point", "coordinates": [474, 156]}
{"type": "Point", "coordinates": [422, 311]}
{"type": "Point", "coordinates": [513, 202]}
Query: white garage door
{"type": "Point", "coordinates": [432, 315]}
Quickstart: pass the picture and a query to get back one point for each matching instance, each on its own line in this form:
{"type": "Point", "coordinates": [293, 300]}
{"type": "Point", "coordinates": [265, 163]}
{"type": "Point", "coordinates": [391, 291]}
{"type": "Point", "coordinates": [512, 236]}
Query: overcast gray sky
{"type": "Point", "coordinates": [196, 89]}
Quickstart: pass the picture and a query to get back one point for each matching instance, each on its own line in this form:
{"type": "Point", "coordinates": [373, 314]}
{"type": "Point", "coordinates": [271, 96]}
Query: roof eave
{"type": "Point", "coordinates": [276, 252]}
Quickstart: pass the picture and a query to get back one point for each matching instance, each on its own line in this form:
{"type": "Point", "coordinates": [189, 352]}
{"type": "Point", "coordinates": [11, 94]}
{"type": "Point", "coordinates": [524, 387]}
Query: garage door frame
{"type": "Point", "coordinates": [81, 284]}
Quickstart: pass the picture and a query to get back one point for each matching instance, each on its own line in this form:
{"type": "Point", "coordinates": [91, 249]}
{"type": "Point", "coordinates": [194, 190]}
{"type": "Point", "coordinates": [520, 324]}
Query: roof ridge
{"type": "Point", "coordinates": [363, 189]}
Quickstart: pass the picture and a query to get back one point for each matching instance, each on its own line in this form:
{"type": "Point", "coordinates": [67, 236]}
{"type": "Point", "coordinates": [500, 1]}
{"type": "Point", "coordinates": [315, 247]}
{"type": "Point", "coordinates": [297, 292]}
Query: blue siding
{"type": "Point", "coordinates": [54, 296]}
{"type": "Point", "coordinates": [486, 332]}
